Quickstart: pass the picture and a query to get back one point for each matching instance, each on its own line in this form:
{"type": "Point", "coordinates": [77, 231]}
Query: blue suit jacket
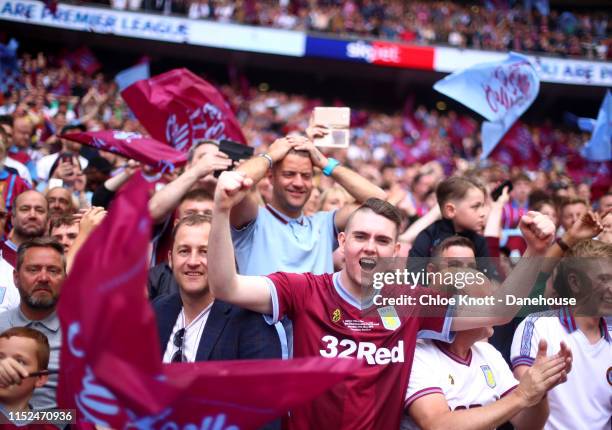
{"type": "Point", "coordinates": [230, 333]}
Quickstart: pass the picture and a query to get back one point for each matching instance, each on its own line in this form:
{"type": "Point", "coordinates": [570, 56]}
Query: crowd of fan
{"type": "Point", "coordinates": [405, 143]}
{"type": "Point", "coordinates": [564, 33]}
{"type": "Point", "coordinates": [301, 200]}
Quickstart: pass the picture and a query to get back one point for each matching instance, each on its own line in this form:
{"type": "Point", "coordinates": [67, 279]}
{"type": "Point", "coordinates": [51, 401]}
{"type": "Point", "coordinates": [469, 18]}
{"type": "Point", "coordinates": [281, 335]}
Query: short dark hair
{"type": "Point", "coordinates": [521, 177]}
{"type": "Point", "coordinates": [191, 220]}
{"type": "Point", "coordinates": [196, 145]}
{"type": "Point", "coordinates": [452, 241]}
{"type": "Point", "coordinates": [301, 153]}
{"type": "Point", "coordinates": [196, 195]}
{"type": "Point", "coordinates": [42, 343]}
{"type": "Point", "coordinates": [40, 242]}
{"type": "Point", "coordinates": [456, 188]}
{"type": "Point", "coordinates": [572, 201]}
{"type": "Point", "coordinates": [382, 208]}
{"type": "Point", "coordinates": [61, 220]}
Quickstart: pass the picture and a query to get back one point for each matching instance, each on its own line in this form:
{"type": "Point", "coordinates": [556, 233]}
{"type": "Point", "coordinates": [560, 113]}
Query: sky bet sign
{"type": "Point", "coordinates": [372, 52]}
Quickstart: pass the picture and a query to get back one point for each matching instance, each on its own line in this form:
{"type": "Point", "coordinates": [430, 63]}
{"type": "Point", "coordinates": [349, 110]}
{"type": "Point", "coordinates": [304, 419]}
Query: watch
{"type": "Point", "coordinates": [267, 157]}
{"type": "Point", "coordinates": [564, 246]}
{"type": "Point", "coordinates": [332, 163]}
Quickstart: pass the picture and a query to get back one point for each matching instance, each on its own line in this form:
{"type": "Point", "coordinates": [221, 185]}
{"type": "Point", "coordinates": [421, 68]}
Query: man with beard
{"type": "Point", "coordinates": [30, 213]}
{"type": "Point", "coordinates": [40, 272]}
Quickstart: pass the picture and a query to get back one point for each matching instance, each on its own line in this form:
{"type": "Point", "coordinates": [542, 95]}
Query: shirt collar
{"type": "Point", "coordinates": [284, 218]}
{"type": "Point", "coordinates": [11, 244]}
{"type": "Point", "coordinates": [196, 319]}
{"type": "Point", "coordinates": [51, 323]}
{"type": "Point", "coordinates": [569, 323]}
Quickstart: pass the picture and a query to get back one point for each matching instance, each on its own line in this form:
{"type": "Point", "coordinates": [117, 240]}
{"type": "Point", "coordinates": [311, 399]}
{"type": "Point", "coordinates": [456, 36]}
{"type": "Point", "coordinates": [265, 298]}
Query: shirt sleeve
{"type": "Point", "coordinates": [525, 343]}
{"type": "Point", "coordinates": [422, 380]}
{"type": "Point", "coordinates": [288, 292]}
{"type": "Point", "coordinates": [435, 320]}
{"type": "Point", "coordinates": [244, 236]}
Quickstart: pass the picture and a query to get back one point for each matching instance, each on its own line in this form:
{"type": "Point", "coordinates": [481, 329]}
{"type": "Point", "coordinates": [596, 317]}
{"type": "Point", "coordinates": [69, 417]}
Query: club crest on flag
{"type": "Point", "coordinates": [389, 318]}
{"type": "Point", "coordinates": [336, 315]}
{"type": "Point", "coordinates": [488, 374]}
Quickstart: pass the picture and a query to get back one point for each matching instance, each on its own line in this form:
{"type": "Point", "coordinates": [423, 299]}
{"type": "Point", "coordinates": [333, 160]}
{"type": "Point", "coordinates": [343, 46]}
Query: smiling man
{"type": "Point", "coordinates": [333, 317]}
{"type": "Point", "coordinates": [192, 325]}
{"type": "Point", "coordinates": [30, 214]}
{"type": "Point", "coordinates": [278, 236]}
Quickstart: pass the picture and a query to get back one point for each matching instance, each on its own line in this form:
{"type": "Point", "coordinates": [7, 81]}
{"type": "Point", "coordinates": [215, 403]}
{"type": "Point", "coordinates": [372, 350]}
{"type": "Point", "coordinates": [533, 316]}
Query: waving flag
{"type": "Point", "coordinates": [132, 145]}
{"type": "Point", "coordinates": [518, 148]}
{"type": "Point", "coordinates": [499, 91]}
{"type": "Point", "coordinates": [180, 108]}
{"type": "Point", "coordinates": [112, 371]}
{"type": "Point", "coordinates": [83, 59]}
{"type": "Point", "coordinates": [599, 148]}
{"type": "Point", "coordinates": [129, 76]}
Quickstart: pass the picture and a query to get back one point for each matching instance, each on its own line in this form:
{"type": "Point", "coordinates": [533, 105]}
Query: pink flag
{"type": "Point", "coordinates": [517, 148]}
{"type": "Point", "coordinates": [180, 108]}
{"type": "Point", "coordinates": [111, 368]}
{"type": "Point", "coordinates": [132, 145]}
{"type": "Point", "coordinates": [84, 59]}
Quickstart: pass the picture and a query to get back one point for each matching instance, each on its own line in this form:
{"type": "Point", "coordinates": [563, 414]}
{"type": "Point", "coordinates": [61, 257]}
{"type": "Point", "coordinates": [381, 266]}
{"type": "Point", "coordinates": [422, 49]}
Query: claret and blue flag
{"type": "Point", "coordinates": [499, 91]}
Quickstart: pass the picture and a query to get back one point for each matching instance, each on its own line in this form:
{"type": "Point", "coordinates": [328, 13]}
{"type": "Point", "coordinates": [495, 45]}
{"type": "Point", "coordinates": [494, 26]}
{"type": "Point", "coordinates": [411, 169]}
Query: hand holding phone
{"type": "Point", "coordinates": [337, 121]}
{"type": "Point", "coordinates": [496, 193]}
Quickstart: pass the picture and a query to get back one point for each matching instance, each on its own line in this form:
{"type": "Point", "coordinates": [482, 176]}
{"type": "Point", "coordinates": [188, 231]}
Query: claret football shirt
{"type": "Point", "coordinates": [329, 322]}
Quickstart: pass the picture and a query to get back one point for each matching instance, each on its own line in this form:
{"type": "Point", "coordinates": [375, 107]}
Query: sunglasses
{"type": "Point", "coordinates": [178, 340]}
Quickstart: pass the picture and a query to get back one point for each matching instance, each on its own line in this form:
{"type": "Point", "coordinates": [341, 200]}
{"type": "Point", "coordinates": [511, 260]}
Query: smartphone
{"type": "Point", "coordinates": [338, 121]}
{"type": "Point", "coordinates": [55, 183]}
{"type": "Point", "coordinates": [66, 157]}
{"type": "Point", "coordinates": [235, 151]}
{"type": "Point", "coordinates": [500, 188]}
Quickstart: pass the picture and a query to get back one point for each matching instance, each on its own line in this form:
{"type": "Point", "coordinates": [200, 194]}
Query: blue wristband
{"type": "Point", "coordinates": [332, 163]}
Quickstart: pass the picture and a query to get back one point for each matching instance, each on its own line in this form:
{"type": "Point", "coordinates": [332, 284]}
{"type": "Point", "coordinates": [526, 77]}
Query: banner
{"type": "Point", "coordinates": [111, 369]}
{"type": "Point", "coordinates": [501, 92]}
{"type": "Point", "coordinates": [150, 26]}
{"type": "Point", "coordinates": [373, 52]}
{"type": "Point", "coordinates": [180, 108]}
{"type": "Point", "coordinates": [132, 145]}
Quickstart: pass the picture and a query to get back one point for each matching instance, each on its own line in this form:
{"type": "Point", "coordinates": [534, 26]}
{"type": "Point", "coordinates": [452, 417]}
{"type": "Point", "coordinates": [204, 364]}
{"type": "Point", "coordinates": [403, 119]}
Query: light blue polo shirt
{"type": "Point", "coordinates": [274, 242]}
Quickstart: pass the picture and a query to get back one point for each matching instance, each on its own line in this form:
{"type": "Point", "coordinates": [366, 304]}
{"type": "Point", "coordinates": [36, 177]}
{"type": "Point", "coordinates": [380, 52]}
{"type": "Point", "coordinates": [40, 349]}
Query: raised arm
{"type": "Point", "coordinates": [167, 199]}
{"type": "Point", "coordinates": [538, 231]}
{"type": "Point", "coordinates": [249, 292]}
{"type": "Point", "coordinates": [245, 210]}
{"type": "Point", "coordinates": [357, 186]}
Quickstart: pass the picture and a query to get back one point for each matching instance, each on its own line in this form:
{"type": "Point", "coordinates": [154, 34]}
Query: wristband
{"type": "Point", "coordinates": [332, 163]}
{"type": "Point", "coordinates": [267, 157]}
{"type": "Point", "coordinates": [564, 246]}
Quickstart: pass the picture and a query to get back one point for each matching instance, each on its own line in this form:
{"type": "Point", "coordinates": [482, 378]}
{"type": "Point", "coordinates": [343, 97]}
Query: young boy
{"type": "Point", "coordinates": [462, 203]}
{"type": "Point", "coordinates": [23, 351]}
